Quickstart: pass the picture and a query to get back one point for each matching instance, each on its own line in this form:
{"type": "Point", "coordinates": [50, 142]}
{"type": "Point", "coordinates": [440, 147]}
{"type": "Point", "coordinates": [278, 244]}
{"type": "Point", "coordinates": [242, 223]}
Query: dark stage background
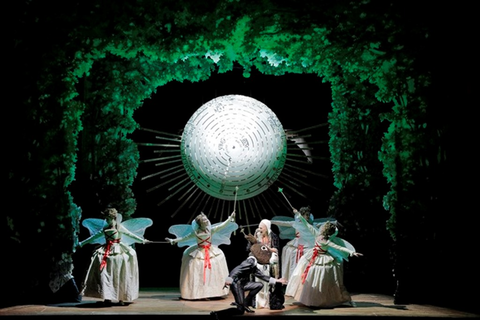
{"type": "Point", "coordinates": [299, 101]}
{"type": "Point", "coordinates": [294, 98]}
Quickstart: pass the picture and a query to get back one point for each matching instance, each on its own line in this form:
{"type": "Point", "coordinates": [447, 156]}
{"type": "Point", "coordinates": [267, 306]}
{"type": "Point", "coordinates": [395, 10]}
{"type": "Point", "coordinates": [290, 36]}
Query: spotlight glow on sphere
{"type": "Point", "coordinates": [233, 144]}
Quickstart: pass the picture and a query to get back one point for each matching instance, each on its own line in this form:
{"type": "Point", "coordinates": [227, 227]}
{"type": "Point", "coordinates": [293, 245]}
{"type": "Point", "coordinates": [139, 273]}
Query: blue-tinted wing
{"type": "Point", "coordinates": [337, 254]}
{"type": "Point", "coordinates": [319, 221]}
{"type": "Point", "coordinates": [222, 235]}
{"type": "Point", "coordinates": [137, 226]}
{"type": "Point", "coordinates": [182, 231]}
{"type": "Point", "coordinates": [307, 232]}
{"type": "Point", "coordinates": [95, 226]}
{"type": "Point", "coordinates": [285, 226]}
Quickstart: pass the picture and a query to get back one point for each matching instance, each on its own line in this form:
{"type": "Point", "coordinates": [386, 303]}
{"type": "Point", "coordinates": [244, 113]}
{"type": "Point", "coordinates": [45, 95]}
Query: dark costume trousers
{"type": "Point", "coordinates": [241, 302]}
{"type": "Point", "coordinates": [238, 291]}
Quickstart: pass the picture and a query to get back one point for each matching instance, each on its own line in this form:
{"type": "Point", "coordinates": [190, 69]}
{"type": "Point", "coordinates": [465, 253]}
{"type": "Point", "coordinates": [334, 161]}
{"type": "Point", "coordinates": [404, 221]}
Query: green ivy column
{"type": "Point", "coordinates": [111, 156]}
{"type": "Point", "coordinates": [355, 138]}
{"type": "Point", "coordinates": [60, 210]}
{"type": "Point", "coordinates": [402, 154]}
{"type": "Point", "coordinates": [42, 226]}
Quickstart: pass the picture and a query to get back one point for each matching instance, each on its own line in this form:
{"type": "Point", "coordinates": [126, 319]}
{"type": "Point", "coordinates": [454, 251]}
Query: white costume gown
{"type": "Point", "coordinates": [323, 285]}
{"type": "Point", "coordinates": [262, 299]}
{"type": "Point", "coordinates": [204, 267]}
{"type": "Point", "coordinates": [118, 280]}
{"type": "Point", "coordinates": [113, 273]}
{"type": "Point", "coordinates": [202, 277]}
{"type": "Point", "coordinates": [291, 253]}
{"type": "Point", "coordinates": [317, 280]}
{"type": "Point", "coordinates": [294, 249]}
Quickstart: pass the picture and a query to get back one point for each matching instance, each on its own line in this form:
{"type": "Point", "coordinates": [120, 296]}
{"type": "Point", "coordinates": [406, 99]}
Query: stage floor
{"type": "Point", "coordinates": [166, 302]}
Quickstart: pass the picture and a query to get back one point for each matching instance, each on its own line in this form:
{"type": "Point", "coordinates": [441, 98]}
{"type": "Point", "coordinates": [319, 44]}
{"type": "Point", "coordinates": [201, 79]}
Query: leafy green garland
{"type": "Point", "coordinates": [187, 44]}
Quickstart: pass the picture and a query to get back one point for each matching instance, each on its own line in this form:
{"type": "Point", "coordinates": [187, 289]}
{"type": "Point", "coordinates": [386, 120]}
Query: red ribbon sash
{"type": "Point", "coordinates": [316, 250]}
{"type": "Point", "coordinates": [107, 252]}
{"type": "Point", "coordinates": [206, 261]}
{"type": "Point", "coordinates": [299, 252]}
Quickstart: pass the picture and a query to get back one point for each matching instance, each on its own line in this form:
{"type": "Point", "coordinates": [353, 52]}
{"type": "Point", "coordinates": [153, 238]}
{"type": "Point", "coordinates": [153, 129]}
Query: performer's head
{"type": "Point", "coordinates": [264, 227]}
{"type": "Point", "coordinates": [202, 221]}
{"type": "Point", "coordinates": [110, 214]}
{"type": "Point", "coordinates": [261, 252]}
{"type": "Point", "coordinates": [327, 230]}
{"type": "Point", "coordinates": [306, 212]}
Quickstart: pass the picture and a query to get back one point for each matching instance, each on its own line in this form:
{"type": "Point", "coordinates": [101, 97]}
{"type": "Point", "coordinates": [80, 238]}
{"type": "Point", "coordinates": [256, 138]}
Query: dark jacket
{"type": "Point", "coordinates": [248, 267]}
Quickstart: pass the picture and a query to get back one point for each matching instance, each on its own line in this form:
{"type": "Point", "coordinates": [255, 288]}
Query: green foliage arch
{"type": "Point", "coordinates": [96, 72]}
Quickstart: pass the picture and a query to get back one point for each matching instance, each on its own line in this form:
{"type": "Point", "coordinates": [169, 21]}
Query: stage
{"type": "Point", "coordinates": [159, 302]}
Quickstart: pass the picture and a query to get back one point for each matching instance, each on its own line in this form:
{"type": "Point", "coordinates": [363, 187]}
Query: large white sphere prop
{"type": "Point", "coordinates": [233, 144]}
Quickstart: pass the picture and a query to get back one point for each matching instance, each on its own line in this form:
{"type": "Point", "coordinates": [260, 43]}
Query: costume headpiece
{"type": "Point", "coordinates": [261, 252]}
{"type": "Point", "coordinates": [267, 224]}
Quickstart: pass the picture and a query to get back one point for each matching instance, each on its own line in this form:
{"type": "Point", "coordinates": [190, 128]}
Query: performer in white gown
{"type": "Point", "coordinates": [293, 250]}
{"type": "Point", "coordinates": [204, 266]}
{"type": "Point", "coordinates": [317, 280]}
{"type": "Point", "coordinates": [113, 271]}
{"type": "Point", "coordinates": [265, 236]}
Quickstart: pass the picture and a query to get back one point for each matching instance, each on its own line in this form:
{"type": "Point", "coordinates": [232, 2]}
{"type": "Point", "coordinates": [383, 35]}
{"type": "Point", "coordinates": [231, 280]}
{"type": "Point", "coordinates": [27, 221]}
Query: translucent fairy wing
{"type": "Point", "coordinates": [94, 226]}
{"type": "Point", "coordinates": [307, 232]}
{"type": "Point", "coordinates": [137, 226]}
{"type": "Point", "coordinates": [319, 221]}
{"type": "Point", "coordinates": [337, 254]}
{"type": "Point", "coordinates": [182, 231]}
{"type": "Point", "coordinates": [343, 243]}
{"type": "Point", "coordinates": [222, 235]}
{"type": "Point", "coordinates": [285, 226]}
